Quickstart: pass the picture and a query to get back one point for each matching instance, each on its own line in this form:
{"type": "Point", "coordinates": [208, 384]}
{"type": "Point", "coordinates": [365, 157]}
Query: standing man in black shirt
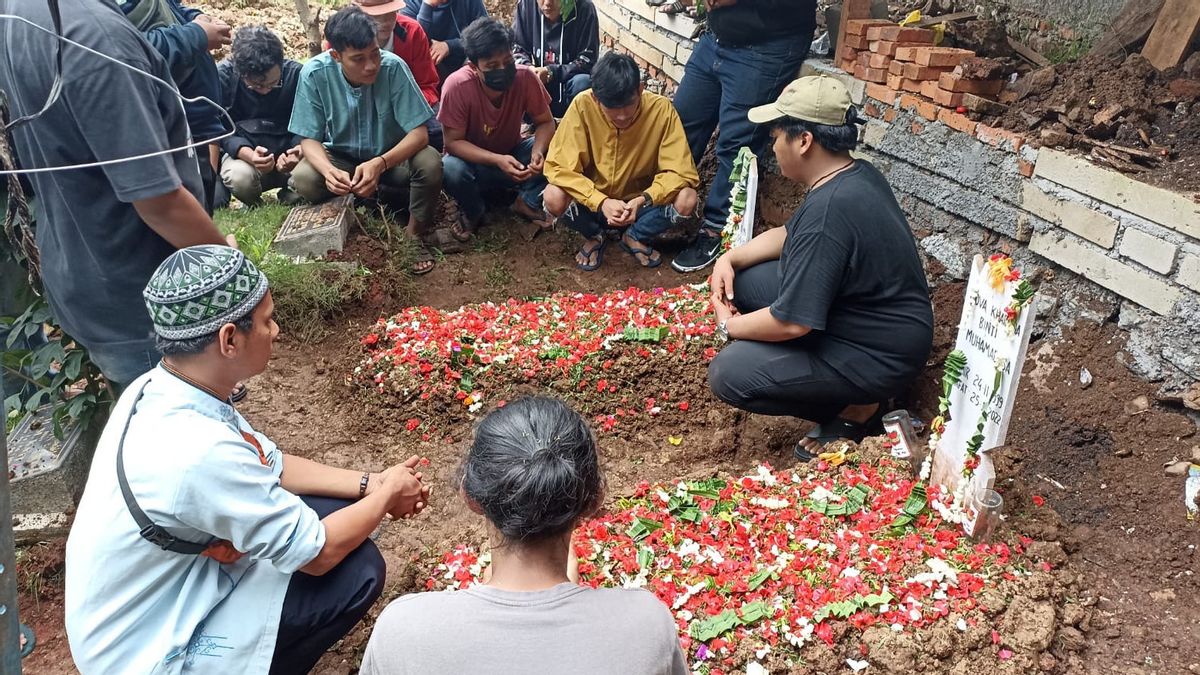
{"type": "Point", "coordinates": [102, 230]}
{"type": "Point", "coordinates": [258, 88]}
{"type": "Point", "coordinates": [831, 314]}
{"type": "Point", "coordinates": [751, 50]}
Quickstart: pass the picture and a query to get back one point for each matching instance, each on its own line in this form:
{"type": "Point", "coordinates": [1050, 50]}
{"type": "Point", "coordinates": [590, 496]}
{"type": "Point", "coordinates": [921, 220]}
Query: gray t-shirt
{"type": "Point", "coordinates": [96, 253]}
{"type": "Point", "coordinates": [565, 629]}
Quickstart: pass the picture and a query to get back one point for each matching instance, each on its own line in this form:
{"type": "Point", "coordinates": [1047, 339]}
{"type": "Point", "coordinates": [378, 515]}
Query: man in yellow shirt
{"type": "Point", "coordinates": [620, 160]}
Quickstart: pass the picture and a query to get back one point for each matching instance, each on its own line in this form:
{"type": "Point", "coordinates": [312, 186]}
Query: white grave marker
{"type": "Point", "coordinates": [743, 197]}
{"type": "Point", "coordinates": [990, 342]}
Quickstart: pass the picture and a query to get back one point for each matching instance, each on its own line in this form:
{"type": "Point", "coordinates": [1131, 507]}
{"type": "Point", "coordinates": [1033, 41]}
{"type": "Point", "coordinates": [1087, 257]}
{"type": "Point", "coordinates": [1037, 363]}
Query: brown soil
{"type": "Point", "coordinates": [1069, 104]}
{"type": "Point", "coordinates": [1123, 602]}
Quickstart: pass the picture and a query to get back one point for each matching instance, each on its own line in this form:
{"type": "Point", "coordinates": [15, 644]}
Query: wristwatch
{"type": "Point", "coordinates": [649, 201]}
{"type": "Point", "coordinates": [723, 330]}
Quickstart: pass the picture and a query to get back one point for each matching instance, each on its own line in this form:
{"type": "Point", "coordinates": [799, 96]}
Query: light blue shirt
{"type": "Point", "coordinates": [132, 607]}
{"type": "Point", "coordinates": [362, 122]}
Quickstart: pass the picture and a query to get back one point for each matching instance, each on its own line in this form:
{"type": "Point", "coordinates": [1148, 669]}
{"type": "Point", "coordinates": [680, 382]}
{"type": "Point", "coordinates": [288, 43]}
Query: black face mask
{"type": "Point", "coordinates": [501, 78]}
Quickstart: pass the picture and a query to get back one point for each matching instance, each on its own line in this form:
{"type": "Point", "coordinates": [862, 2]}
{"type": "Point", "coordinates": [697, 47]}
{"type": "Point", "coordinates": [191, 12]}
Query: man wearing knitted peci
{"type": "Point", "coordinates": [198, 543]}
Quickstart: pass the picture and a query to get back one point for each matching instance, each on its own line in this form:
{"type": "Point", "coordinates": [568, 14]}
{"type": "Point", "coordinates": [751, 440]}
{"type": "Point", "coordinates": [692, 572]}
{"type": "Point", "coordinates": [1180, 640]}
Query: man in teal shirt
{"type": "Point", "coordinates": [361, 118]}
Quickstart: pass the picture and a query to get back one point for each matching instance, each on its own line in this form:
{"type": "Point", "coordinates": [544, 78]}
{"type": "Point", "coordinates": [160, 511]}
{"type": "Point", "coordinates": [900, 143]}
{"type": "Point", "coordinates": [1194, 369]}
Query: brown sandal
{"type": "Point", "coordinates": [461, 230]}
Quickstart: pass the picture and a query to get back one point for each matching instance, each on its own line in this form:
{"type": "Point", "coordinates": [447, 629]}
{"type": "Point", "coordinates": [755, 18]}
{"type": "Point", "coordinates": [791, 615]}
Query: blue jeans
{"type": "Point", "coordinates": [124, 363]}
{"type": "Point", "coordinates": [466, 182]}
{"type": "Point", "coordinates": [720, 85]}
{"type": "Point", "coordinates": [649, 224]}
{"type": "Point", "coordinates": [437, 136]}
{"type": "Point", "coordinates": [563, 93]}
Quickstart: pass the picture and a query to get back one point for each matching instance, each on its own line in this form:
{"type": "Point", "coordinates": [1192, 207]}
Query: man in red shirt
{"type": "Point", "coordinates": [404, 37]}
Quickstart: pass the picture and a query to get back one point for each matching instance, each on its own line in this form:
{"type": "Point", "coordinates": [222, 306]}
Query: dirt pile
{"type": "Point", "coordinates": [1120, 111]}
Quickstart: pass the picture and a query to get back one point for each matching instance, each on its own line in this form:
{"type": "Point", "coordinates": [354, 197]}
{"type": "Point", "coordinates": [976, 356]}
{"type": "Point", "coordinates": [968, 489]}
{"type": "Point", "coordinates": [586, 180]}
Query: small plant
{"type": "Point", "coordinates": [58, 372]}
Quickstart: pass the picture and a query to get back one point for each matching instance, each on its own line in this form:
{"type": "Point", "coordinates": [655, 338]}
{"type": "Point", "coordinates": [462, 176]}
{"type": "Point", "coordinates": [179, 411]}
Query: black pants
{"type": "Point", "coordinates": [319, 611]}
{"type": "Point", "coordinates": [778, 378]}
{"type": "Point", "coordinates": [208, 176]}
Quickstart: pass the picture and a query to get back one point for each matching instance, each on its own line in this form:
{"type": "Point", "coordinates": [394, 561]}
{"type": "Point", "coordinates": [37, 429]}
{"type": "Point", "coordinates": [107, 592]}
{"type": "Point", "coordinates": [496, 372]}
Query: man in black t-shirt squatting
{"type": "Point", "coordinates": [829, 316]}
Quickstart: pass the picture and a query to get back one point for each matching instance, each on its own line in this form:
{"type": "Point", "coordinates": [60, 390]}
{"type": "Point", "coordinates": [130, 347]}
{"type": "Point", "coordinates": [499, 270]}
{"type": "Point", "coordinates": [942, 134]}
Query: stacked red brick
{"type": "Point", "coordinates": [856, 42]}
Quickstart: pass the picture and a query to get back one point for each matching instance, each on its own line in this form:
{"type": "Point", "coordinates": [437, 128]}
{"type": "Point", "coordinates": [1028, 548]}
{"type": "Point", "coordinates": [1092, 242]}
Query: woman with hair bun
{"type": "Point", "coordinates": [533, 473]}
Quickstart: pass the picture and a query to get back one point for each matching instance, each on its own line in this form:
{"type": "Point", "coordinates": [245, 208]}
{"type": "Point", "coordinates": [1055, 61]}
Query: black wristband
{"type": "Point", "coordinates": [362, 485]}
{"type": "Point", "coordinates": [649, 201]}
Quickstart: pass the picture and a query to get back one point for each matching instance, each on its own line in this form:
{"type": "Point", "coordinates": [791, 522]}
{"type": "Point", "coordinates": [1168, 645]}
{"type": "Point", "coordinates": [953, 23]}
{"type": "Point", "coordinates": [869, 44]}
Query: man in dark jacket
{"type": "Point", "coordinates": [184, 36]}
{"type": "Point", "coordinates": [444, 21]}
{"type": "Point", "coordinates": [561, 49]}
{"type": "Point", "coordinates": [752, 50]}
{"type": "Point", "coordinates": [258, 88]}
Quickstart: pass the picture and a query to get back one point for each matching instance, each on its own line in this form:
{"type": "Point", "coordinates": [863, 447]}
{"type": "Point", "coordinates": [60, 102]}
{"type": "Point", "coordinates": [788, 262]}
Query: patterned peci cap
{"type": "Point", "coordinates": [198, 289]}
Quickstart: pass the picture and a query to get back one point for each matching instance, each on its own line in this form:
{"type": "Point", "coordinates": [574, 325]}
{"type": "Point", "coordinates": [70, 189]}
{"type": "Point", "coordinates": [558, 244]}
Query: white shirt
{"type": "Point", "coordinates": [132, 607]}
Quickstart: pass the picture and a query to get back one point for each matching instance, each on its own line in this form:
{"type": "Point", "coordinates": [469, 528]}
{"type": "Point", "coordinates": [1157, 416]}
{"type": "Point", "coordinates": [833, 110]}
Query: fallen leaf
{"type": "Point", "coordinates": [674, 440]}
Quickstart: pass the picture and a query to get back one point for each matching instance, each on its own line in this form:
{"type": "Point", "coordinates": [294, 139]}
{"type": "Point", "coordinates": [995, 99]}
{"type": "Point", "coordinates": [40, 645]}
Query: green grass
{"type": "Point", "coordinates": [499, 275]}
{"type": "Point", "coordinates": [1069, 51]}
{"type": "Point", "coordinates": [255, 229]}
{"type": "Point", "coordinates": [307, 294]}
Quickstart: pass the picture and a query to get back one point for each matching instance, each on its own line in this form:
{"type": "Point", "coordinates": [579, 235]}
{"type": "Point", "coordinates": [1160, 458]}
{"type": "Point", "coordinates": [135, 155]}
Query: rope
{"type": "Point", "coordinates": [18, 225]}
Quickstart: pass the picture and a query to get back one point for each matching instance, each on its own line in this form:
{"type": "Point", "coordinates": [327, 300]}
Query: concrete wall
{"type": "Point", "coordinates": [1101, 245]}
{"type": "Point", "coordinates": [660, 43]}
{"type": "Point", "coordinates": [1087, 18]}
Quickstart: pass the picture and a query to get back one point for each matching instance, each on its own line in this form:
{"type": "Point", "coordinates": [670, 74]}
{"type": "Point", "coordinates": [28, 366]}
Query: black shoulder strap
{"type": "Point", "coordinates": [147, 528]}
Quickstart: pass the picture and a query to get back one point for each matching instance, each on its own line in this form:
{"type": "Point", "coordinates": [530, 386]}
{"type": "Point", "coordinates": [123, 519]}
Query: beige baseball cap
{"type": "Point", "coordinates": [819, 99]}
{"type": "Point", "coordinates": [380, 7]}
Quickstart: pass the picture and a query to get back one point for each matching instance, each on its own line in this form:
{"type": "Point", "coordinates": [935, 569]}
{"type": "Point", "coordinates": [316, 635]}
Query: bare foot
{"type": "Point", "coordinates": [529, 213]}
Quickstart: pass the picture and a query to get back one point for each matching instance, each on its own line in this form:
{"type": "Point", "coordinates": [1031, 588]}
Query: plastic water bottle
{"type": "Point", "coordinates": [902, 438]}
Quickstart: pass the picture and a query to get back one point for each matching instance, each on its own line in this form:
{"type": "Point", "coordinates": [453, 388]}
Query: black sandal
{"type": "Point", "coordinates": [643, 250]}
{"type": "Point", "coordinates": [596, 250]}
{"type": "Point", "coordinates": [423, 256]}
{"type": "Point", "coordinates": [239, 393]}
{"type": "Point", "coordinates": [837, 429]}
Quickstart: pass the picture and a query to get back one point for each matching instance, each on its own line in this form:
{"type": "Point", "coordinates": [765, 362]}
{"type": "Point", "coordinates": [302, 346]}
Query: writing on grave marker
{"type": "Point", "coordinates": [989, 344]}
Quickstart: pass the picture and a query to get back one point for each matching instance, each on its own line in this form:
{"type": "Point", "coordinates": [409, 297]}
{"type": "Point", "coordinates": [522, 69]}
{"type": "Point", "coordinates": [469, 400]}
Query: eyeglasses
{"type": "Point", "coordinates": [260, 85]}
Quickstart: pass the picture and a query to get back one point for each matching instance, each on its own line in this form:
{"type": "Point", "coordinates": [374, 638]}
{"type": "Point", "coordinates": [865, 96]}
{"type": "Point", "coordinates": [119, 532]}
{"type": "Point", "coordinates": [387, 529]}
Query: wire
{"type": "Point", "coordinates": [169, 85]}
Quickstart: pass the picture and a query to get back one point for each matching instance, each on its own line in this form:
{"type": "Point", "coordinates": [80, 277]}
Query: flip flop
{"type": "Point", "coordinates": [598, 251]}
{"type": "Point", "coordinates": [656, 3]}
{"type": "Point", "coordinates": [239, 393]}
{"type": "Point", "coordinates": [676, 7]}
{"type": "Point", "coordinates": [423, 256]}
{"type": "Point", "coordinates": [836, 429]}
{"type": "Point", "coordinates": [645, 250]}
{"type": "Point", "coordinates": [461, 230]}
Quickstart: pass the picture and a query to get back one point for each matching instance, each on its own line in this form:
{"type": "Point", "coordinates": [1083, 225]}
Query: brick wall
{"type": "Point", "coordinates": [660, 43]}
{"type": "Point", "coordinates": [1102, 246]}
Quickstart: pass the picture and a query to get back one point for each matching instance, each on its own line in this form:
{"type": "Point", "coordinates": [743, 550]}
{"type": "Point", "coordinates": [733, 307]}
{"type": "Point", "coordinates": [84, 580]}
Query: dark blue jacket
{"type": "Point", "coordinates": [185, 48]}
{"type": "Point", "coordinates": [258, 119]}
{"type": "Point", "coordinates": [445, 23]}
